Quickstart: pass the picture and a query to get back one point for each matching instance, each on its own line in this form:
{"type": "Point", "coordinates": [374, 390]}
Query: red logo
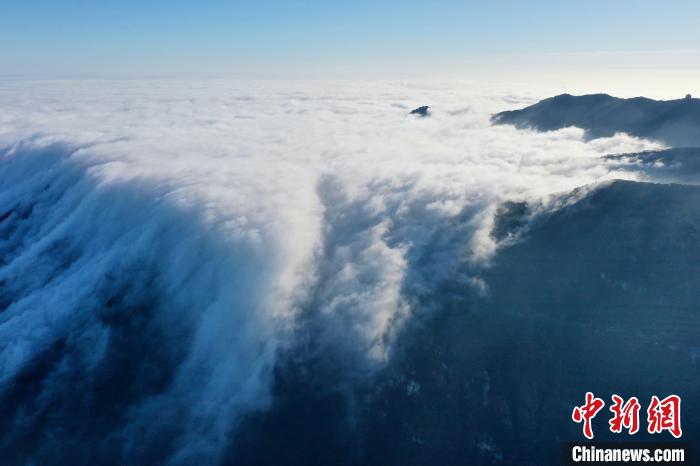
{"type": "Point", "coordinates": [661, 415]}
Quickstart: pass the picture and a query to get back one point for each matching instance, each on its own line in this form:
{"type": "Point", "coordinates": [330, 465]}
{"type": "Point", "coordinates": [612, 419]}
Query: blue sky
{"type": "Point", "coordinates": [102, 38]}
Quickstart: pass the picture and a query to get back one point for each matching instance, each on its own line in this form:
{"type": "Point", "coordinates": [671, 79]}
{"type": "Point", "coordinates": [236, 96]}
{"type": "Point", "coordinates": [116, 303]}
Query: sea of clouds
{"type": "Point", "coordinates": [163, 242]}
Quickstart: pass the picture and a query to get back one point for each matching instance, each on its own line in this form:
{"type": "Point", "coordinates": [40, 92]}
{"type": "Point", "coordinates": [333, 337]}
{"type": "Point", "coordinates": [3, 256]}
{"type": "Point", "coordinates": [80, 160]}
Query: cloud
{"type": "Point", "coordinates": [163, 242]}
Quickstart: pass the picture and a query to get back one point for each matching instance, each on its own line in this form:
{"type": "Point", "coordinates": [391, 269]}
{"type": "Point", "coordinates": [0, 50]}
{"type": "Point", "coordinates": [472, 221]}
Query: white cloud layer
{"type": "Point", "coordinates": [230, 209]}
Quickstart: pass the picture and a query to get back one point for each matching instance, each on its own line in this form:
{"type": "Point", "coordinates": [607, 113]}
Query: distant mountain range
{"type": "Point", "coordinates": [673, 122]}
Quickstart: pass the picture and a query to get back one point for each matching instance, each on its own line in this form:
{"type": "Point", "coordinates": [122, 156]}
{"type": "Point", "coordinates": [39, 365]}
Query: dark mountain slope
{"type": "Point", "coordinates": [601, 295]}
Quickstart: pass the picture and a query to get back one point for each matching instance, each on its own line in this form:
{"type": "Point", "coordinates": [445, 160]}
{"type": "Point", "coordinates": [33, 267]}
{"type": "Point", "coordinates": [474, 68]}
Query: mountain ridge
{"type": "Point", "coordinates": [673, 122]}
